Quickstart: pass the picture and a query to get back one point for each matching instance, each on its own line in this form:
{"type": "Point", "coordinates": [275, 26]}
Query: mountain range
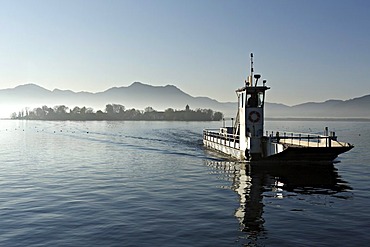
{"type": "Point", "coordinates": [140, 96]}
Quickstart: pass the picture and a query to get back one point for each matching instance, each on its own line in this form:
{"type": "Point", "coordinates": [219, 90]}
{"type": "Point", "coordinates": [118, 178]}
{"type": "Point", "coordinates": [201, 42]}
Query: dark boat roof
{"type": "Point", "coordinates": [253, 89]}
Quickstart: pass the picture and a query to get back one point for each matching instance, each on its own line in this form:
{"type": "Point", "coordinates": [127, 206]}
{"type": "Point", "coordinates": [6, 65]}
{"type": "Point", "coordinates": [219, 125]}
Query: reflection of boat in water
{"type": "Point", "coordinates": [254, 183]}
{"type": "Point", "coordinates": [245, 139]}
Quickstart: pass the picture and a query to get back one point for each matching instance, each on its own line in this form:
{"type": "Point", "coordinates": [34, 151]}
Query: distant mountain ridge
{"type": "Point", "coordinates": [139, 95]}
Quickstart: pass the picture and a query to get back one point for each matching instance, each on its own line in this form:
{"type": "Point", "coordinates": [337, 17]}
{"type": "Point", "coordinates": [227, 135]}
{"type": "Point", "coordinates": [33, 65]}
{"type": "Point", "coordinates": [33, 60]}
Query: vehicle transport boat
{"type": "Point", "coordinates": [247, 140]}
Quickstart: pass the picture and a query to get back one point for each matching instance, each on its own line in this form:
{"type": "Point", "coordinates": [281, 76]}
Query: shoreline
{"type": "Point", "coordinates": [158, 120]}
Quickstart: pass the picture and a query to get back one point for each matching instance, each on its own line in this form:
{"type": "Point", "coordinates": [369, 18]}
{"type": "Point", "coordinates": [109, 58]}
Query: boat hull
{"type": "Point", "coordinates": [228, 150]}
{"type": "Point", "coordinates": [290, 153]}
{"type": "Point", "coordinates": [308, 154]}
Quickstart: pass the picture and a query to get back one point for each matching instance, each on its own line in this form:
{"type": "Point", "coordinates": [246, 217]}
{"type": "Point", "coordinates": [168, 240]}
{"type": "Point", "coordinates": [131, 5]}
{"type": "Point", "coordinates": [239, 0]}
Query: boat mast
{"type": "Point", "coordinates": [252, 70]}
{"type": "Point", "coordinates": [249, 80]}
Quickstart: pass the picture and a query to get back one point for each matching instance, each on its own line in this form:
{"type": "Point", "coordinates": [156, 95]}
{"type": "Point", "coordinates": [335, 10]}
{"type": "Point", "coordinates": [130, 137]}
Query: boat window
{"type": "Point", "coordinates": [255, 99]}
{"type": "Point", "coordinates": [260, 99]}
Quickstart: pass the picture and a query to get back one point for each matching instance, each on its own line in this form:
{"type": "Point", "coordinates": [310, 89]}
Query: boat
{"type": "Point", "coordinates": [246, 140]}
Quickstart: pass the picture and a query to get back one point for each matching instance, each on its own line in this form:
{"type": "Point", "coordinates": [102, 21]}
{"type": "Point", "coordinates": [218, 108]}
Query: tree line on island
{"type": "Point", "coordinates": [116, 112]}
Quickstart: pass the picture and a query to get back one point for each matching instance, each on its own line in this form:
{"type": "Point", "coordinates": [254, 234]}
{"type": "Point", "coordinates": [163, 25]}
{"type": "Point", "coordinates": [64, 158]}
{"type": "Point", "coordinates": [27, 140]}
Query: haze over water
{"type": "Point", "coordinates": [153, 184]}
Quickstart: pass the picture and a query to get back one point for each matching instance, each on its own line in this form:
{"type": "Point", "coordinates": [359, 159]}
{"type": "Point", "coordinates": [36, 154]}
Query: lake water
{"type": "Point", "coordinates": [153, 184]}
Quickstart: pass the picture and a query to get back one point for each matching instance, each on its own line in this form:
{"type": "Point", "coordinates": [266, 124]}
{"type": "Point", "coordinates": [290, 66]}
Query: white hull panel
{"type": "Point", "coordinates": [233, 152]}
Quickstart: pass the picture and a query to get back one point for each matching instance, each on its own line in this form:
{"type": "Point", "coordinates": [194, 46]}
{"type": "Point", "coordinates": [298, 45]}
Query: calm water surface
{"type": "Point", "coordinates": [153, 184]}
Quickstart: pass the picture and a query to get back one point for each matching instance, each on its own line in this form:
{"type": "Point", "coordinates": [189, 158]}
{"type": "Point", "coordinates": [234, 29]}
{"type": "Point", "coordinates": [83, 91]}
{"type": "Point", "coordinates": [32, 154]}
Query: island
{"type": "Point", "coordinates": [116, 112]}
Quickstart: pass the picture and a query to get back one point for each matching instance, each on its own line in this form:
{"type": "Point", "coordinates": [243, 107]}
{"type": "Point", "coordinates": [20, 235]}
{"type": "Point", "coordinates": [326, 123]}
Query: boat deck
{"type": "Point", "coordinates": [306, 140]}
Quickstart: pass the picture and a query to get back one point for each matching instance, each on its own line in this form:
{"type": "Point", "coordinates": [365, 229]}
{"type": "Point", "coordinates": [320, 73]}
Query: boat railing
{"type": "Point", "coordinates": [221, 136]}
{"type": "Point", "coordinates": [306, 139]}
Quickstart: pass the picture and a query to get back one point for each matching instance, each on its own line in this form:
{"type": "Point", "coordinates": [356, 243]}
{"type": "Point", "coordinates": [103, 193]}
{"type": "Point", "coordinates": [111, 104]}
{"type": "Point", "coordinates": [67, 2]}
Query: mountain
{"type": "Point", "coordinates": [352, 108]}
{"type": "Point", "coordinates": [139, 96]}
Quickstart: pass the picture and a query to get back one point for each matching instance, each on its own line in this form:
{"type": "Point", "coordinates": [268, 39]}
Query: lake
{"type": "Point", "coordinates": [153, 184]}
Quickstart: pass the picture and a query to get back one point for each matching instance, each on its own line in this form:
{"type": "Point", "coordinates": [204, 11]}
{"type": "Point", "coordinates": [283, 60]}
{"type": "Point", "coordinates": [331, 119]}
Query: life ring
{"type": "Point", "coordinates": [254, 116]}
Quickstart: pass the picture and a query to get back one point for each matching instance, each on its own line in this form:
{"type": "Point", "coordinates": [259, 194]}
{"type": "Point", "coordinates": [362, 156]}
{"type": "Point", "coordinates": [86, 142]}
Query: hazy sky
{"type": "Point", "coordinates": [307, 50]}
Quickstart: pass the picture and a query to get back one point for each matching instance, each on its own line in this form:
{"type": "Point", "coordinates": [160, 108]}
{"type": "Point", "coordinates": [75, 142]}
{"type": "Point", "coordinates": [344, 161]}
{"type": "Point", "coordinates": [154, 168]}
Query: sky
{"type": "Point", "coordinates": [309, 51]}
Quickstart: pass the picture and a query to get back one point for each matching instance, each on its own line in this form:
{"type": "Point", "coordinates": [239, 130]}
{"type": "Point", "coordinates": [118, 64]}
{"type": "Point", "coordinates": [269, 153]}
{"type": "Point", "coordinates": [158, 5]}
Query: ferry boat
{"type": "Point", "coordinates": [246, 139]}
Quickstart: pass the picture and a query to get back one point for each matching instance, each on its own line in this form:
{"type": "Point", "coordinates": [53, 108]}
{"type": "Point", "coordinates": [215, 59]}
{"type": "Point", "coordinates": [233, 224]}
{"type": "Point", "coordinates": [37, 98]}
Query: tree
{"type": "Point", "coordinates": [169, 114]}
{"type": "Point", "coordinates": [76, 110]}
{"type": "Point", "coordinates": [149, 109]}
{"type": "Point", "coordinates": [61, 109]}
{"type": "Point", "coordinates": [50, 111]}
{"type": "Point", "coordinates": [83, 110]}
{"type": "Point", "coordinates": [46, 109]}
{"type": "Point", "coordinates": [39, 112]}
{"type": "Point", "coordinates": [132, 114]}
{"type": "Point", "coordinates": [217, 116]}
{"type": "Point", "coordinates": [109, 109]}
{"type": "Point", "coordinates": [89, 110]}
{"type": "Point", "coordinates": [27, 111]}
{"type": "Point", "coordinates": [117, 108]}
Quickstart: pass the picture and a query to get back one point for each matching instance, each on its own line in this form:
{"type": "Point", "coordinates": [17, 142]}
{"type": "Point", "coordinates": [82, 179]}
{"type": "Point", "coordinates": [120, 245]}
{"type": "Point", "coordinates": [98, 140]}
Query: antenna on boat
{"type": "Point", "coordinates": [251, 63]}
{"type": "Point", "coordinates": [250, 79]}
{"type": "Point", "coordinates": [256, 76]}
